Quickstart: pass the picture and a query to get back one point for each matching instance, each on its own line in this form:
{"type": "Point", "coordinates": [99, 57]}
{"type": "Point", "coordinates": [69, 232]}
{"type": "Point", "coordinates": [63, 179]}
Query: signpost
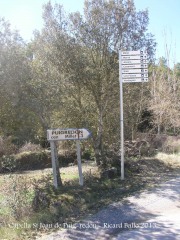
{"type": "Point", "coordinates": [66, 134]}
{"type": "Point", "coordinates": [133, 67]}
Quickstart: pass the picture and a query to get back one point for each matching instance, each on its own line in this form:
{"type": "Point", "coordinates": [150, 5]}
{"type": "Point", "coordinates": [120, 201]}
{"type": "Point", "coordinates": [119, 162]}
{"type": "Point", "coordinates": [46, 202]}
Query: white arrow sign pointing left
{"type": "Point", "coordinates": [67, 134]}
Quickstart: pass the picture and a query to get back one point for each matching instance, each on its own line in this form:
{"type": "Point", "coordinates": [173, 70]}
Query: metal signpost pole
{"type": "Point", "coordinates": [121, 117]}
{"type": "Point", "coordinates": [79, 162]}
{"type": "Point", "coordinates": [133, 67]}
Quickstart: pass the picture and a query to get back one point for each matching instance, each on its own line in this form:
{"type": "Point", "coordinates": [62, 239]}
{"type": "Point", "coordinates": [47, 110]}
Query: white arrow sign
{"type": "Point", "coordinates": [140, 61]}
{"type": "Point", "coordinates": [139, 52]}
{"type": "Point", "coordinates": [135, 66]}
{"type": "Point", "coordinates": [67, 134]}
{"type": "Point", "coordinates": [135, 80]}
{"type": "Point", "coordinates": [134, 57]}
{"type": "Point", "coordinates": [134, 75]}
{"type": "Point", "coordinates": [135, 70]}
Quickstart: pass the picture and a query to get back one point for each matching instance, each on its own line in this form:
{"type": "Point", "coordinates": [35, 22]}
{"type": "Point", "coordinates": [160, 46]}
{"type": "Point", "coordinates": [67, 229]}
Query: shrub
{"type": "Point", "coordinates": [7, 163]}
{"type": "Point", "coordinates": [172, 145]}
{"type": "Point", "coordinates": [32, 160]}
{"type": "Point", "coordinates": [88, 154]}
{"type": "Point", "coordinates": [30, 147]}
{"type": "Point", "coordinates": [6, 146]}
{"type": "Point", "coordinates": [19, 195]}
{"type": "Point", "coordinates": [25, 161]}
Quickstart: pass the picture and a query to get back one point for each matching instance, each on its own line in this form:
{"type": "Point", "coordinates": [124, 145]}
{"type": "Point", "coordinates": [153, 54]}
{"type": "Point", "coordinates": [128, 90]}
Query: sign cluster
{"type": "Point", "coordinates": [134, 66]}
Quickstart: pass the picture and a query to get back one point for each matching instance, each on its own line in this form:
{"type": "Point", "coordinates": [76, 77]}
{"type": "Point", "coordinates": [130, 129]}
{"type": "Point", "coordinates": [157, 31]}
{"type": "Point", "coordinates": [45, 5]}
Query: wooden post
{"type": "Point", "coordinates": [81, 182]}
{"type": "Point", "coordinates": [55, 165]}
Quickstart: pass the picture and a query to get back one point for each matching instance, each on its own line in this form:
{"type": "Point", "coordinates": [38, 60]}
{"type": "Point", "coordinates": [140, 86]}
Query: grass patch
{"type": "Point", "coordinates": [69, 176]}
{"type": "Point", "coordinates": [47, 206]}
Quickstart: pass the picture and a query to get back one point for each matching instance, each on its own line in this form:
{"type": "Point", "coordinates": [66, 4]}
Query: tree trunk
{"type": "Point", "coordinates": [98, 142]}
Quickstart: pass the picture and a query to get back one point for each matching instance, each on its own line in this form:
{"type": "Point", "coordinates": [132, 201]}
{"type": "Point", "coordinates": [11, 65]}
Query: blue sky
{"type": "Point", "coordinates": [164, 17]}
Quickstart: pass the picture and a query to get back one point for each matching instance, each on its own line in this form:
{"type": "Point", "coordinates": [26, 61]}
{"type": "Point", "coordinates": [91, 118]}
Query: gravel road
{"type": "Point", "coordinates": [153, 214]}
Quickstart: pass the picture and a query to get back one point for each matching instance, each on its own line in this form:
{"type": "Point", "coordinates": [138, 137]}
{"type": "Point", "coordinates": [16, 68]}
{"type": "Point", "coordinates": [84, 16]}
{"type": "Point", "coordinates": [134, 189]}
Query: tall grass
{"type": "Point", "coordinates": [169, 159]}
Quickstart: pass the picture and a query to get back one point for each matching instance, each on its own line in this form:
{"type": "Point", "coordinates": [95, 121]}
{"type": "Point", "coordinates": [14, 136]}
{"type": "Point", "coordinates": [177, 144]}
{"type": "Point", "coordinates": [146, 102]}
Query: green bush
{"type": "Point", "coordinates": [19, 196]}
{"type": "Point", "coordinates": [172, 145]}
{"type": "Point", "coordinates": [6, 146]}
{"type": "Point", "coordinates": [33, 160]}
{"type": "Point", "coordinates": [7, 163]}
{"type": "Point", "coordinates": [25, 161]}
{"type": "Point", "coordinates": [30, 147]}
{"type": "Point", "coordinates": [88, 154]}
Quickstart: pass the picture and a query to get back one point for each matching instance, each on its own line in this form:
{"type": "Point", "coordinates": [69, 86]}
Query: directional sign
{"type": "Point", "coordinates": [67, 134]}
{"type": "Point", "coordinates": [135, 61]}
{"type": "Point", "coordinates": [134, 57]}
{"type": "Point", "coordinates": [134, 66]}
{"type": "Point", "coordinates": [135, 75]}
{"type": "Point", "coordinates": [139, 52]}
{"type": "Point", "coordinates": [140, 70]}
{"type": "Point", "coordinates": [135, 80]}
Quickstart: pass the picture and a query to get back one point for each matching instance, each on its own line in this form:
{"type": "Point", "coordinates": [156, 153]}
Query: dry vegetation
{"type": "Point", "coordinates": [30, 197]}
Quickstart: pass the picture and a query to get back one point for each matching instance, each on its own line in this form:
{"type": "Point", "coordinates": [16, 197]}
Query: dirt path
{"type": "Point", "coordinates": [153, 214]}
